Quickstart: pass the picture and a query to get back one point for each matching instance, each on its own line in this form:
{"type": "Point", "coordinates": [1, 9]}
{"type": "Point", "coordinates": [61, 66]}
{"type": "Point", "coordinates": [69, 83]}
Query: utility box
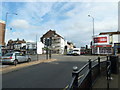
{"type": "Point", "coordinates": [114, 64]}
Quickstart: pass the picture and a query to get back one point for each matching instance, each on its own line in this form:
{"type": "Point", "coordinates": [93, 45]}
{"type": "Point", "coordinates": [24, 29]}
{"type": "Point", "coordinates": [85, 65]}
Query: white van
{"type": "Point", "coordinates": [76, 51]}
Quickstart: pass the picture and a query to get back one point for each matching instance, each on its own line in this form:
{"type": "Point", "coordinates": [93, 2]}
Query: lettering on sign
{"type": "Point", "coordinates": [100, 40]}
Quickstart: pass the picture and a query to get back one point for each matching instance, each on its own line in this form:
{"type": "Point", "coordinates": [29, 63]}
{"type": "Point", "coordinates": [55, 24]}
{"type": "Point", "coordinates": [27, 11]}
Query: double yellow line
{"type": "Point", "coordinates": [78, 79]}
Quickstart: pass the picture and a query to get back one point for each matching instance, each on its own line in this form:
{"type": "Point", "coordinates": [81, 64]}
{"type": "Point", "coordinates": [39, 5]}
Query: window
{"type": "Point", "coordinates": [8, 54]}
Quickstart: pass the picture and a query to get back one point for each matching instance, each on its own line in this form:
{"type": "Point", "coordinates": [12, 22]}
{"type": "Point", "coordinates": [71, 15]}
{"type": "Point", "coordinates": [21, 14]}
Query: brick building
{"type": "Point", "coordinates": [2, 32]}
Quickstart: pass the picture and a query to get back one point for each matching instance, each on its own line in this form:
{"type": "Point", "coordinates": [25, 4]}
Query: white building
{"type": "Point", "coordinates": [58, 42]}
{"type": "Point", "coordinates": [33, 47]}
{"type": "Point", "coordinates": [40, 47]}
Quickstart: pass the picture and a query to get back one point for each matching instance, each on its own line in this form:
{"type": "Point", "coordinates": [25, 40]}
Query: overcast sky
{"type": "Point", "coordinates": [69, 19]}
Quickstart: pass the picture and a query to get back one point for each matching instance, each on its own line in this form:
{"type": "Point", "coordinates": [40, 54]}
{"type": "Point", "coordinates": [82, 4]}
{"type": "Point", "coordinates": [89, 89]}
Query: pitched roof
{"type": "Point", "coordinates": [50, 33]}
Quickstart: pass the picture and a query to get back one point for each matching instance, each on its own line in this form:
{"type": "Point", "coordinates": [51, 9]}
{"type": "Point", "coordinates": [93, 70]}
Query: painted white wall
{"type": "Point", "coordinates": [116, 39]}
{"type": "Point", "coordinates": [40, 45]}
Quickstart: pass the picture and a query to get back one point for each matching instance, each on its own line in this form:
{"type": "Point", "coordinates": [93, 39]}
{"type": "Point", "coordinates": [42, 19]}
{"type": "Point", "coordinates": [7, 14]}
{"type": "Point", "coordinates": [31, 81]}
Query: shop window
{"type": "Point", "coordinates": [105, 50]}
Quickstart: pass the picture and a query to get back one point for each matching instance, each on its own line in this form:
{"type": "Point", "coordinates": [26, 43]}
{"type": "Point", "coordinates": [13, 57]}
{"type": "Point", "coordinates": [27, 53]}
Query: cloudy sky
{"type": "Point", "coordinates": [69, 19]}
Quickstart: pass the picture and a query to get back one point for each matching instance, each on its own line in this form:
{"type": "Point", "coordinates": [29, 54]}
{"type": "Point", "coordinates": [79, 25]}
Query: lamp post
{"type": "Point", "coordinates": [7, 18]}
{"type": "Point", "coordinates": [93, 23]}
{"type": "Point", "coordinates": [93, 31]}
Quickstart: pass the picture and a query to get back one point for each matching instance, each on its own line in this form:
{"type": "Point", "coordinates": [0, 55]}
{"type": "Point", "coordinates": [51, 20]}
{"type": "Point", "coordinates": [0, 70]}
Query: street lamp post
{"type": "Point", "coordinates": [93, 24]}
{"type": "Point", "coordinates": [7, 17]}
{"type": "Point", "coordinates": [93, 30]}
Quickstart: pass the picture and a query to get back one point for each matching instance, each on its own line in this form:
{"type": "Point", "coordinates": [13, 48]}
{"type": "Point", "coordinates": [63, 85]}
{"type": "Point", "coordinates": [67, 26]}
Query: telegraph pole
{"type": "Point", "coordinates": [36, 47]}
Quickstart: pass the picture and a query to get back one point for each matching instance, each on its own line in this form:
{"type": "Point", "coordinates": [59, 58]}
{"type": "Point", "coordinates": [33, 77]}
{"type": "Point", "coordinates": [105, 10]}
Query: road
{"type": "Point", "coordinates": [56, 74]}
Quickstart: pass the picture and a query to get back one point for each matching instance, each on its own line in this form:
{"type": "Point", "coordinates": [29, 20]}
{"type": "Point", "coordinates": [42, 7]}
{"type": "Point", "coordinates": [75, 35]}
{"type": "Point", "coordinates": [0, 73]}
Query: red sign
{"type": "Point", "coordinates": [101, 46]}
{"type": "Point", "coordinates": [100, 40]}
{"type": "Point", "coordinates": [104, 46]}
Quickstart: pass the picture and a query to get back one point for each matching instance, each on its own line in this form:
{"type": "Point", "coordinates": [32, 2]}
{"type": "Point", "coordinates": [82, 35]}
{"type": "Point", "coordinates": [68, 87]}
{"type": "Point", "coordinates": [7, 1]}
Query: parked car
{"type": "Point", "coordinates": [15, 58]}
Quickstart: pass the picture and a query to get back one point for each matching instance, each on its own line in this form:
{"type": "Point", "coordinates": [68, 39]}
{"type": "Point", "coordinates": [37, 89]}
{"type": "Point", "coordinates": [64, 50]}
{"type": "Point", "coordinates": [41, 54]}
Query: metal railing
{"type": "Point", "coordinates": [86, 76]}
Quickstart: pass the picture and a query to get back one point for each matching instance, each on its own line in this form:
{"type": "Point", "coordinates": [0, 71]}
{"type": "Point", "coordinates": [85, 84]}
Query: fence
{"type": "Point", "coordinates": [88, 74]}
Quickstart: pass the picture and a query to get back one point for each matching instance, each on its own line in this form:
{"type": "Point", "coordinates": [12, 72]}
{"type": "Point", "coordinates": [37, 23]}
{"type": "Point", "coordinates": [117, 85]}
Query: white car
{"type": "Point", "coordinates": [76, 51]}
{"type": "Point", "coordinates": [15, 58]}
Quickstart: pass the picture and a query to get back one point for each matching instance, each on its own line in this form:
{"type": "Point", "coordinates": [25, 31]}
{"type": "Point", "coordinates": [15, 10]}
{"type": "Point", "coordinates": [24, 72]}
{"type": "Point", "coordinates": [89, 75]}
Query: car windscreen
{"type": "Point", "coordinates": [8, 54]}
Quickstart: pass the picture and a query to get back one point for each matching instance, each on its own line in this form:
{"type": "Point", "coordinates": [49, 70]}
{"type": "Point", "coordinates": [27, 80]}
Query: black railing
{"type": "Point", "coordinates": [108, 72]}
{"type": "Point", "coordinates": [86, 76]}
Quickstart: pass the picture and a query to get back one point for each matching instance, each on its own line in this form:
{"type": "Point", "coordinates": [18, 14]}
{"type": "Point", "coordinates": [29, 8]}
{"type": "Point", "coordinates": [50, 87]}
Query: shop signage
{"type": "Point", "coordinates": [101, 46]}
{"type": "Point", "coordinates": [100, 40]}
{"type": "Point", "coordinates": [104, 46]}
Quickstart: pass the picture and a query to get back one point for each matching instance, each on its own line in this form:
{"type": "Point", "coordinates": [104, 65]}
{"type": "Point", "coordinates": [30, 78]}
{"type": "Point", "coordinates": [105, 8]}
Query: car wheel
{"type": "Point", "coordinates": [28, 60]}
{"type": "Point", "coordinates": [15, 62]}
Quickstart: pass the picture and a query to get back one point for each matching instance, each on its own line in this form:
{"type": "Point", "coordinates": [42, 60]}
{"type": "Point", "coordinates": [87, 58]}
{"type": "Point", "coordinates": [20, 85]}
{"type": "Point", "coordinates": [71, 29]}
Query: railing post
{"type": "Point", "coordinates": [90, 69]}
{"type": "Point", "coordinates": [99, 65]}
{"type": "Point", "coordinates": [75, 74]}
{"type": "Point", "coordinates": [107, 72]}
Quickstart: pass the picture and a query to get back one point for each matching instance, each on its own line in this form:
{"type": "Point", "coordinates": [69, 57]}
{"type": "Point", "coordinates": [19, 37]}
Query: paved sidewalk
{"type": "Point", "coordinates": [102, 82]}
{"type": "Point", "coordinates": [19, 66]}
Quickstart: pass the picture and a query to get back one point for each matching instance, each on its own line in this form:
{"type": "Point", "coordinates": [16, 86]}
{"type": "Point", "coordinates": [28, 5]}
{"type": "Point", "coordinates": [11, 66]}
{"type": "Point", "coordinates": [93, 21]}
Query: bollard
{"type": "Point", "coordinates": [90, 69]}
{"type": "Point", "coordinates": [75, 73]}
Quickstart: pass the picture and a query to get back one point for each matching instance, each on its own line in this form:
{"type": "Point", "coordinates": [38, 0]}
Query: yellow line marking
{"type": "Point", "coordinates": [80, 76]}
{"type": "Point", "coordinates": [66, 87]}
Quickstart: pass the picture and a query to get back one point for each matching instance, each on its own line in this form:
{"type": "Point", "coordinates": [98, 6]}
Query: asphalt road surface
{"type": "Point", "coordinates": [56, 74]}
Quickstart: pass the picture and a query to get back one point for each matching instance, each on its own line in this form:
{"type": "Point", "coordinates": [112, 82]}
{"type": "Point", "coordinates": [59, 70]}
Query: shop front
{"type": "Point", "coordinates": [101, 45]}
{"type": "Point", "coordinates": [102, 49]}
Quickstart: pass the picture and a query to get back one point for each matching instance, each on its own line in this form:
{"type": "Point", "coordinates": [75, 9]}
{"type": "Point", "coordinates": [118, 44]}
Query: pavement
{"type": "Point", "coordinates": [7, 69]}
{"type": "Point", "coordinates": [101, 82]}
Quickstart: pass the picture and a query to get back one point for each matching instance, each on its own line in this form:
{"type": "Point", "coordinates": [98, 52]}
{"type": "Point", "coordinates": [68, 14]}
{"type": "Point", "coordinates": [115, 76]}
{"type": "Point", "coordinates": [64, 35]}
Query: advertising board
{"type": "Point", "coordinates": [101, 39]}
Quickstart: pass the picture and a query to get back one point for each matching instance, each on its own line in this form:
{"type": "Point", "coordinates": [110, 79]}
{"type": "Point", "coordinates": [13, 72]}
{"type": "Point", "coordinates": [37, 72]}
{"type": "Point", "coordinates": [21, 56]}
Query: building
{"type": "Point", "coordinates": [29, 47]}
{"type": "Point", "coordinates": [58, 42]}
{"type": "Point", "coordinates": [106, 43]}
{"type": "Point", "coordinates": [15, 44]}
{"type": "Point", "coordinates": [2, 32]}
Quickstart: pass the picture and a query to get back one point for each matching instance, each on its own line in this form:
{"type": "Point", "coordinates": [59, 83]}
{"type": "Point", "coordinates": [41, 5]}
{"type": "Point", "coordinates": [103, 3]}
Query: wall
{"type": "Point", "coordinates": [116, 38]}
{"type": "Point", "coordinates": [40, 45]}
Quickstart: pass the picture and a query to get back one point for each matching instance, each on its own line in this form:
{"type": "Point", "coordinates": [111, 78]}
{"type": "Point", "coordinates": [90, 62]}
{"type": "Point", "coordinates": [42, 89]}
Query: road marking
{"type": "Point", "coordinates": [80, 76]}
{"type": "Point", "coordinates": [52, 62]}
{"type": "Point", "coordinates": [66, 87]}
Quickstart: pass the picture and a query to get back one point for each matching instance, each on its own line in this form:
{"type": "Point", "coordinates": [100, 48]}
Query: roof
{"type": "Point", "coordinates": [16, 41]}
{"type": "Point", "coordinates": [50, 33]}
{"type": "Point", "coordinates": [1, 21]}
{"type": "Point", "coordinates": [103, 33]}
